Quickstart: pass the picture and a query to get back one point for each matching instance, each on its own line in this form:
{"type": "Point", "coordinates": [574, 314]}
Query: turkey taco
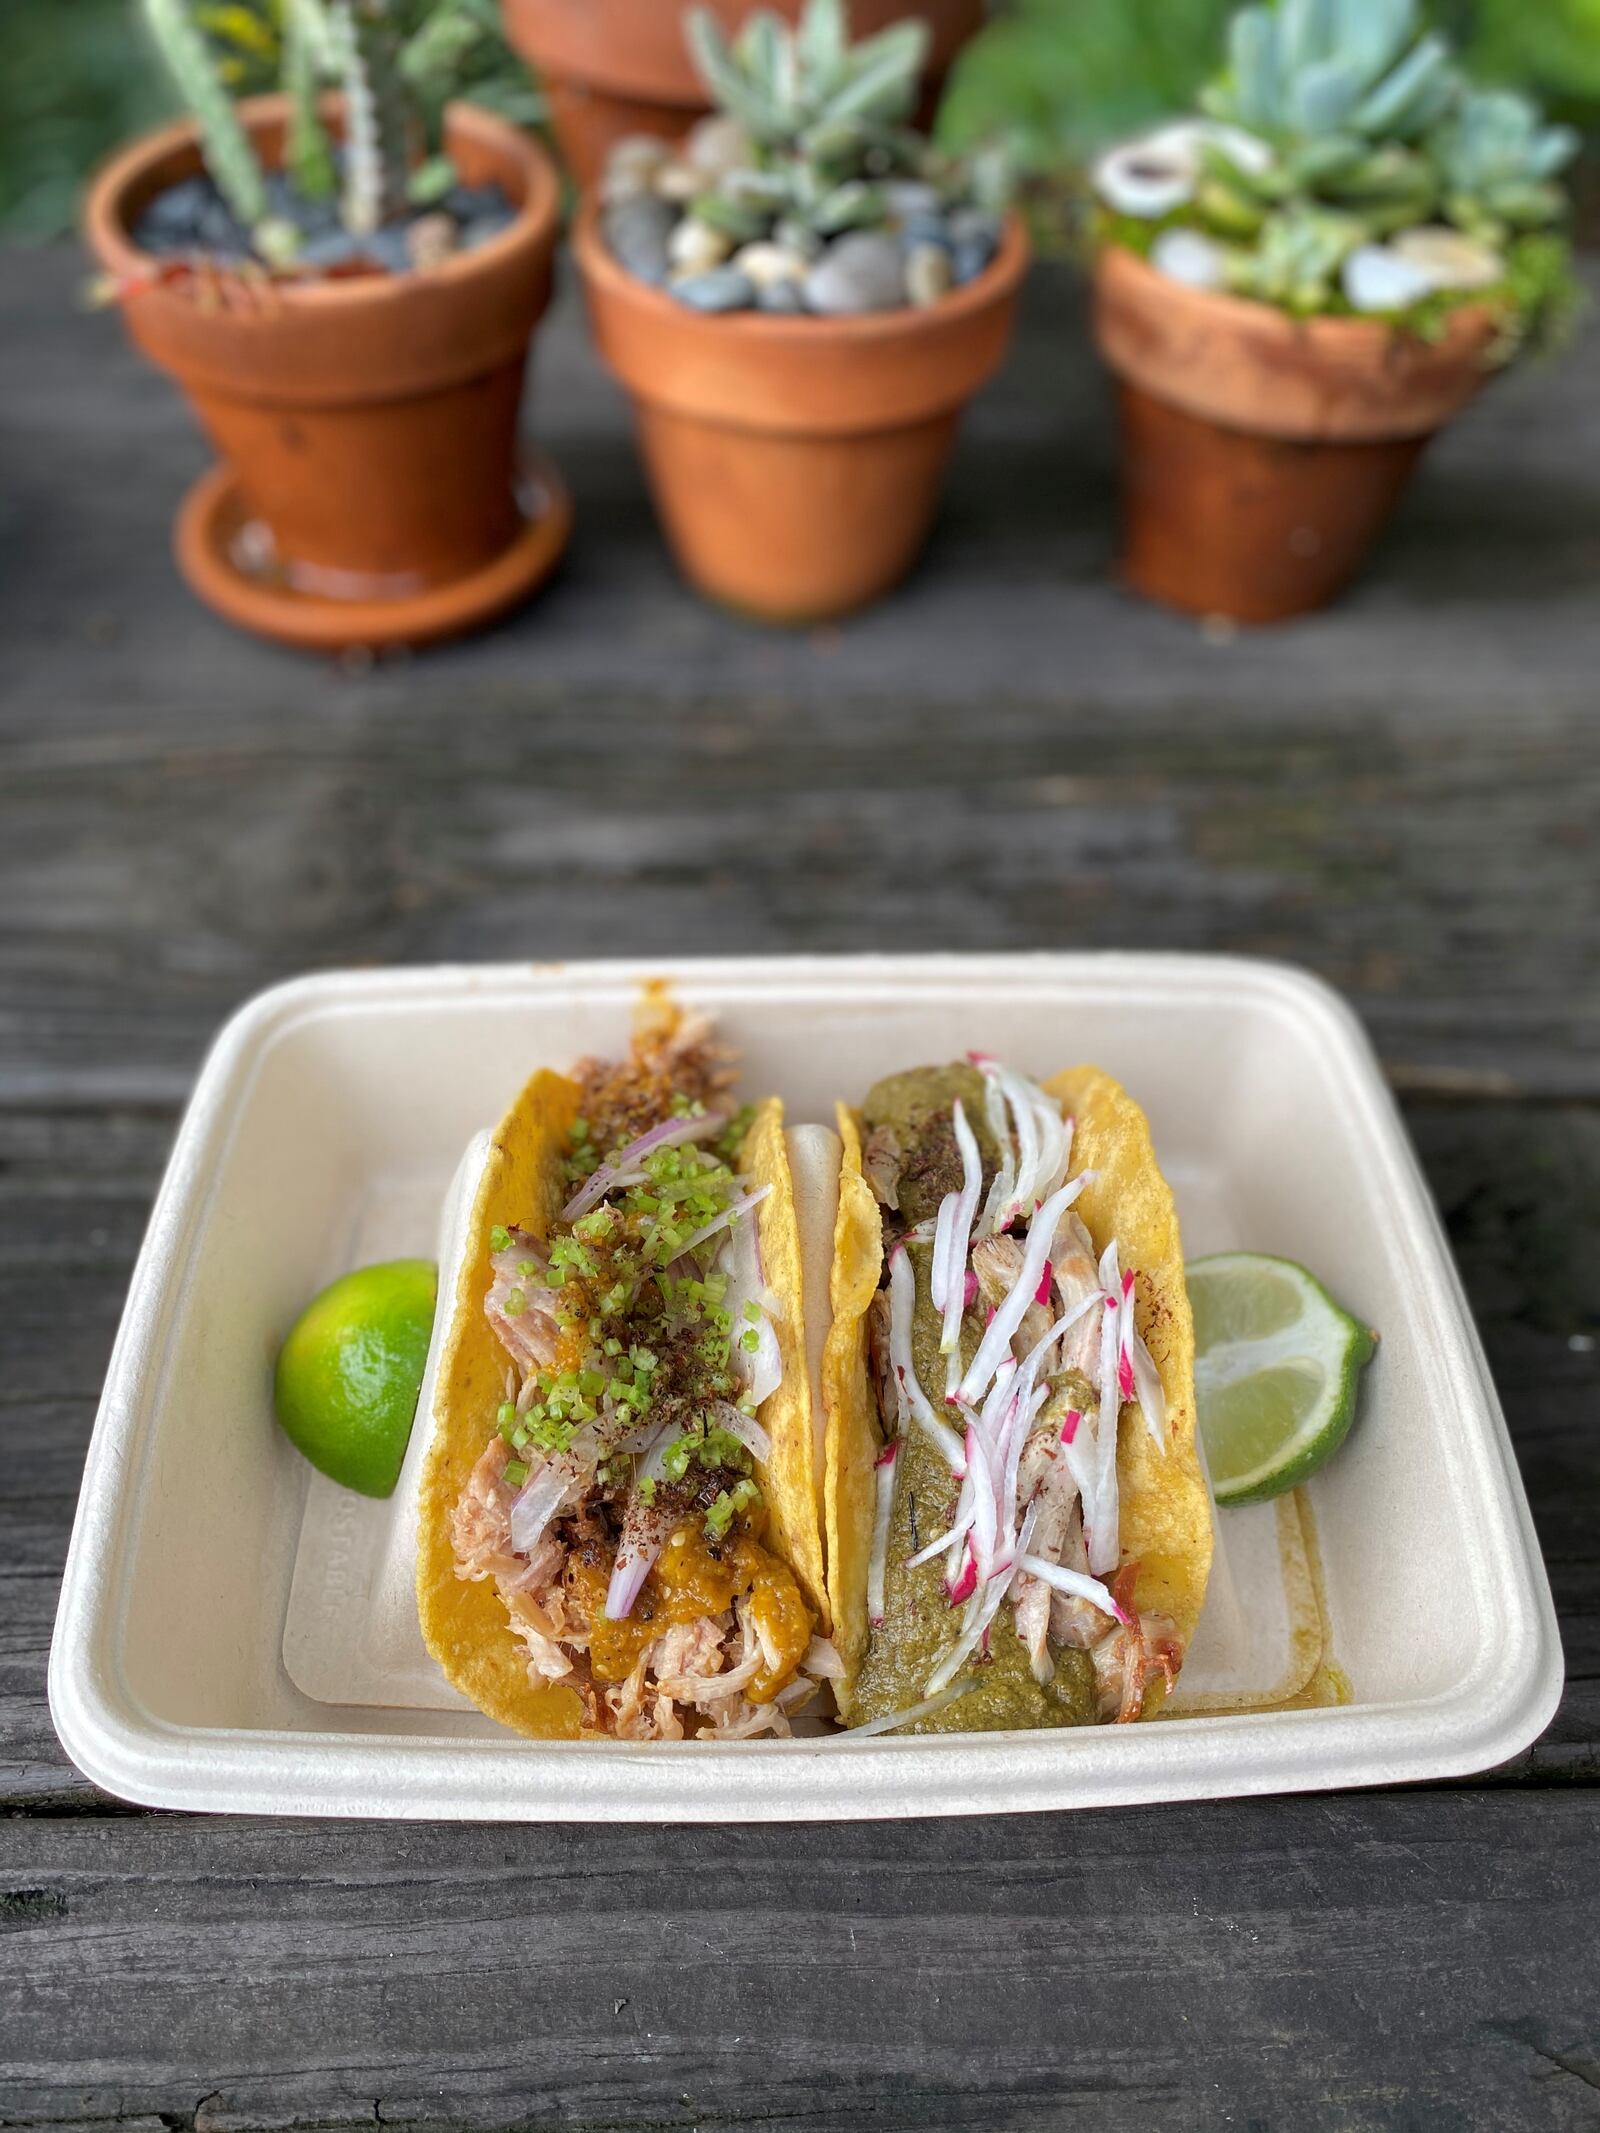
{"type": "Point", "coordinates": [618, 1531]}
{"type": "Point", "coordinates": [1018, 1528]}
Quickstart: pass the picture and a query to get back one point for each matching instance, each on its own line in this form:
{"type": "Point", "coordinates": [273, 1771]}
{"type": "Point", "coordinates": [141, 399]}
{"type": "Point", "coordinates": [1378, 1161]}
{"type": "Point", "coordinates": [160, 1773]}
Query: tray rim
{"type": "Point", "coordinates": [1501, 1705]}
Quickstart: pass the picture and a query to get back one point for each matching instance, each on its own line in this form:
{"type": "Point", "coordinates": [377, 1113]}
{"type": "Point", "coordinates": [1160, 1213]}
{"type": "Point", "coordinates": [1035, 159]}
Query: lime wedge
{"type": "Point", "coordinates": [349, 1373]}
{"type": "Point", "coordinates": [1276, 1368]}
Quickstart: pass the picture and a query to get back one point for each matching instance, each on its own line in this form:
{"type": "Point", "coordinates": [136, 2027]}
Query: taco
{"type": "Point", "coordinates": [618, 1529]}
{"type": "Point", "coordinates": [1018, 1528]}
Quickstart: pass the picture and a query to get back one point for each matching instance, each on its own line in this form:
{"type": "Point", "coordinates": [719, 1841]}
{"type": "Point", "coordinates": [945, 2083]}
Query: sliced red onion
{"type": "Point", "coordinates": [645, 1533]}
{"type": "Point", "coordinates": [548, 1489]}
{"type": "Point", "coordinates": [902, 1304]}
{"type": "Point", "coordinates": [671, 1133]}
{"type": "Point", "coordinates": [996, 1342]}
{"type": "Point", "coordinates": [740, 1260]}
{"type": "Point", "coordinates": [1073, 1582]}
{"type": "Point", "coordinates": [822, 1661]}
{"type": "Point", "coordinates": [746, 1428]}
{"type": "Point", "coordinates": [729, 1214]}
{"type": "Point", "coordinates": [762, 1368]}
{"type": "Point", "coordinates": [888, 1463]}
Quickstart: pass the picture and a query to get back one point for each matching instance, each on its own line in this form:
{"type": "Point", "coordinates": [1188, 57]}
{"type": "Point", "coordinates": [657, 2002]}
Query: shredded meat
{"type": "Point", "coordinates": [530, 1333]}
{"type": "Point", "coordinates": [1076, 1277]}
{"type": "Point", "coordinates": [997, 1262]}
{"type": "Point", "coordinates": [880, 1164]}
{"type": "Point", "coordinates": [480, 1524]}
{"type": "Point", "coordinates": [673, 1055]}
{"type": "Point", "coordinates": [883, 1378]}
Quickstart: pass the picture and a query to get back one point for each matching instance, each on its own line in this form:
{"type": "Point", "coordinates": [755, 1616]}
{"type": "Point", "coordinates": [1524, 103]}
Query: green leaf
{"type": "Point", "coordinates": [1411, 97]}
{"type": "Point", "coordinates": [881, 79]}
{"type": "Point", "coordinates": [822, 41]}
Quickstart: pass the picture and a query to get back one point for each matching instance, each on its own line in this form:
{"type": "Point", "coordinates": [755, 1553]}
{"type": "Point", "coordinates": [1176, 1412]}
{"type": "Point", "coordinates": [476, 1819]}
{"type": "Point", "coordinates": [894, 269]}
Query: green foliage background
{"type": "Point", "coordinates": [1068, 75]}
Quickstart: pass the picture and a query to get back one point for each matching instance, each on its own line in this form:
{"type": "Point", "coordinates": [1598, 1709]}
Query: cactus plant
{"type": "Point", "coordinates": [1338, 134]}
{"type": "Point", "coordinates": [229, 156]}
{"type": "Point", "coordinates": [396, 61]}
{"type": "Point", "coordinates": [378, 128]}
{"type": "Point", "coordinates": [308, 154]}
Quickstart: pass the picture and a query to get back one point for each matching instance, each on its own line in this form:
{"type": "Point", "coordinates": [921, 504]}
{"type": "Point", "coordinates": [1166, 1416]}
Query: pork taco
{"type": "Point", "coordinates": [1018, 1529]}
{"type": "Point", "coordinates": [618, 1530]}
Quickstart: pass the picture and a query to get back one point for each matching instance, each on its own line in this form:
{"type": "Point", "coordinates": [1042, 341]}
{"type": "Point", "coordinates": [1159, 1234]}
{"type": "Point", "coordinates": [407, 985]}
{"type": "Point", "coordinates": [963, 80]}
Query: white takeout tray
{"type": "Point", "coordinates": [197, 1659]}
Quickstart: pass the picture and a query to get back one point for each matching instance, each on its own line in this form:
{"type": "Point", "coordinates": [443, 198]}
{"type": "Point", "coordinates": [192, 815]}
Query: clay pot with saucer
{"type": "Point", "coordinates": [796, 462]}
{"type": "Point", "coordinates": [1262, 455]}
{"type": "Point", "coordinates": [615, 67]}
{"type": "Point", "coordinates": [370, 490]}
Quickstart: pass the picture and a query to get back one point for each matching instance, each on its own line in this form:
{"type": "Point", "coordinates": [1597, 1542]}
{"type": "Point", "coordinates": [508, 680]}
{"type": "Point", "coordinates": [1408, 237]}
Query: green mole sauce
{"type": "Point", "coordinates": [919, 1622]}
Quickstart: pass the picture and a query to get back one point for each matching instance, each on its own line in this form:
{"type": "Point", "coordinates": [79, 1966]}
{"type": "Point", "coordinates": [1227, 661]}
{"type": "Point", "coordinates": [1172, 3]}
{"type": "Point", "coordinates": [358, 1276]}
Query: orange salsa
{"type": "Point", "coordinates": [696, 1577]}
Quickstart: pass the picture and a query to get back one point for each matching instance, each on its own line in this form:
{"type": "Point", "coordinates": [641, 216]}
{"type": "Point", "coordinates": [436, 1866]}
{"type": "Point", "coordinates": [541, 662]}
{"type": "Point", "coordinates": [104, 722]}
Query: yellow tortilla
{"type": "Point", "coordinates": [464, 1622]}
{"type": "Point", "coordinates": [854, 1437]}
{"type": "Point", "coordinates": [1166, 1507]}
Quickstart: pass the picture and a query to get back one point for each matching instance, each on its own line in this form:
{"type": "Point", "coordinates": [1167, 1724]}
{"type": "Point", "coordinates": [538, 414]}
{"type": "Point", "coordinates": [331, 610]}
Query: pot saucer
{"type": "Point", "coordinates": [214, 536]}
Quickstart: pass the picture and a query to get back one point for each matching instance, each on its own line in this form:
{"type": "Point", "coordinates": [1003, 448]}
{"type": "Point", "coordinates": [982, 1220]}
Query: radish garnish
{"type": "Point", "coordinates": [1104, 1545]}
{"type": "Point", "coordinates": [967, 1583]}
{"type": "Point", "coordinates": [1073, 1582]}
{"type": "Point", "coordinates": [888, 1461]}
{"type": "Point", "coordinates": [1137, 1376]}
{"type": "Point", "coordinates": [902, 1304]}
{"type": "Point", "coordinates": [891, 1721]}
{"type": "Point", "coordinates": [996, 1342]}
{"type": "Point", "coordinates": [953, 1237]}
{"type": "Point", "coordinates": [983, 1502]}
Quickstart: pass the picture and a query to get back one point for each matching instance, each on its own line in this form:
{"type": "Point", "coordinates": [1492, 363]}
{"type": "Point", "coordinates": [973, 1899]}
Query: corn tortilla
{"type": "Point", "coordinates": [464, 1622]}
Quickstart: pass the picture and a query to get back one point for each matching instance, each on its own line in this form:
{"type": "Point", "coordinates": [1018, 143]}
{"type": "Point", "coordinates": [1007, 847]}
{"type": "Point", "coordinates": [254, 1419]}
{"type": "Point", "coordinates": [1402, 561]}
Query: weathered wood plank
{"type": "Point", "coordinates": [1406, 1961]}
{"type": "Point", "coordinates": [1401, 793]}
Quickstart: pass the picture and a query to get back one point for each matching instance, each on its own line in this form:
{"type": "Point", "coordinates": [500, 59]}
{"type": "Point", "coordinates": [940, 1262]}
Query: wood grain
{"type": "Point", "coordinates": [1403, 794]}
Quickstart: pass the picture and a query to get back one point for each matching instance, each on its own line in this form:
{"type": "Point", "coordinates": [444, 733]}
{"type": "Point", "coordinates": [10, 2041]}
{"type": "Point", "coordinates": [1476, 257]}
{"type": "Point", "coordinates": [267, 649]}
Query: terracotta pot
{"type": "Point", "coordinates": [796, 462]}
{"type": "Point", "coordinates": [1262, 455]}
{"type": "Point", "coordinates": [370, 424]}
{"type": "Point", "coordinates": [613, 67]}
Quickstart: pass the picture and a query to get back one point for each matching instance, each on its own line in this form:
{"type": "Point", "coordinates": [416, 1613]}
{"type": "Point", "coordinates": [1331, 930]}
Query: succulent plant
{"type": "Point", "coordinates": [1342, 162]}
{"type": "Point", "coordinates": [1499, 162]}
{"type": "Point", "coordinates": [807, 189]}
{"type": "Point", "coordinates": [823, 118]}
{"type": "Point", "coordinates": [1309, 70]}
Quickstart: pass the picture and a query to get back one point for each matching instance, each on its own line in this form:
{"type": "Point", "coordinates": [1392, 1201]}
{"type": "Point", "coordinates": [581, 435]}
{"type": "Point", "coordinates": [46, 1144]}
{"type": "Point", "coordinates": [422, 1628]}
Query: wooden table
{"type": "Point", "coordinates": [1403, 794]}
